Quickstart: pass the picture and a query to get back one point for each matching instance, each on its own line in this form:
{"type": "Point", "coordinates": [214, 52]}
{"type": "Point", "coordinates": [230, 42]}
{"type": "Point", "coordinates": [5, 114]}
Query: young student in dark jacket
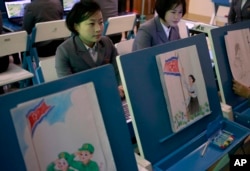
{"type": "Point", "coordinates": [239, 11]}
{"type": "Point", "coordinates": [87, 48]}
{"type": "Point", "coordinates": [163, 27]}
{"type": "Point", "coordinates": [42, 11]}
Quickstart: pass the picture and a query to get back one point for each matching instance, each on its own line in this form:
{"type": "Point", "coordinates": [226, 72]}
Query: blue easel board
{"type": "Point", "coordinates": [222, 65]}
{"type": "Point", "coordinates": [110, 104]}
{"type": "Point", "coordinates": [163, 148]}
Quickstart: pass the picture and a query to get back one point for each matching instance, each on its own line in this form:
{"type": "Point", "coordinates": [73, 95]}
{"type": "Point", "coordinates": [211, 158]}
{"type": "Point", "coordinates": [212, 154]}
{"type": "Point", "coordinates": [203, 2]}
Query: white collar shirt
{"type": "Point", "coordinates": [92, 51]}
{"type": "Point", "coordinates": [166, 30]}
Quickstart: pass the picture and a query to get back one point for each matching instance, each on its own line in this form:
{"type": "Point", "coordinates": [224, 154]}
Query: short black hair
{"type": "Point", "coordinates": [81, 11]}
{"type": "Point", "coordinates": [162, 6]}
{"type": "Point", "coordinates": [192, 77]}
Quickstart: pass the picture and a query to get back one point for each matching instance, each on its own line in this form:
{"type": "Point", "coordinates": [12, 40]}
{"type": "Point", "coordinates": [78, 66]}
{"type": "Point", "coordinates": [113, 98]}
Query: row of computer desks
{"type": "Point", "coordinates": [40, 122]}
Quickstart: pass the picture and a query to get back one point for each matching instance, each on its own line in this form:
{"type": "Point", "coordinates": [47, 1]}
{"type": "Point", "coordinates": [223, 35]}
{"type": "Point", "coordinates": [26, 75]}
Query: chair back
{"type": "Point", "coordinates": [124, 47]}
{"type": "Point", "coordinates": [48, 69]}
{"type": "Point", "coordinates": [46, 31]}
{"type": "Point", "coordinates": [120, 24]}
{"type": "Point", "coordinates": [13, 42]}
{"type": "Point", "coordinates": [49, 30]}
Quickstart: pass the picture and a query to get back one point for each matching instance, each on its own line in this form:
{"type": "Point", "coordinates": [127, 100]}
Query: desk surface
{"type": "Point", "coordinates": [13, 74]}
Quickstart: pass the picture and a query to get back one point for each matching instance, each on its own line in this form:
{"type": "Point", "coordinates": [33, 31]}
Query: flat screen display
{"type": "Point", "coordinates": [15, 9]}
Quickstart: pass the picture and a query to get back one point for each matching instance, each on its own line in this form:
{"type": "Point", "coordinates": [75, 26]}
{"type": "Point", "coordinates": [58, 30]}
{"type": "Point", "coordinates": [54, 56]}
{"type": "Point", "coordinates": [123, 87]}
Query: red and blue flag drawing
{"type": "Point", "coordinates": [36, 115]}
{"type": "Point", "coordinates": [171, 66]}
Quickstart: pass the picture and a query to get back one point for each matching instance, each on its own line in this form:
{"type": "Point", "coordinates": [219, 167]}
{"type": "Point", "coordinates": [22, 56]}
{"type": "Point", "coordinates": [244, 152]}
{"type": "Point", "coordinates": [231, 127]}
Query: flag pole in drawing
{"type": "Point", "coordinates": [171, 67]}
{"type": "Point", "coordinates": [182, 89]}
{"type": "Point", "coordinates": [36, 115]}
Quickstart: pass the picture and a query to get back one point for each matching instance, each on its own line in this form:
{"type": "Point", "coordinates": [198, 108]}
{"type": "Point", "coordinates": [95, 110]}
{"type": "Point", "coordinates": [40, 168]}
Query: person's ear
{"type": "Point", "coordinates": [76, 27]}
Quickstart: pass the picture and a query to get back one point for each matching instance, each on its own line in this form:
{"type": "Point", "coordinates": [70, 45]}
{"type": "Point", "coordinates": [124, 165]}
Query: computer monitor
{"type": "Point", "coordinates": [15, 9]}
{"type": "Point", "coordinates": [68, 4]}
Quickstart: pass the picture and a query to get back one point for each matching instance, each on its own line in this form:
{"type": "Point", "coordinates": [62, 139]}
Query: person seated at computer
{"type": "Point", "coordinates": [42, 11]}
{"type": "Point", "coordinates": [109, 9]}
{"type": "Point", "coordinates": [239, 11]}
{"type": "Point", "coordinates": [87, 48]}
{"type": "Point", "coordinates": [113, 8]}
{"type": "Point", "coordinates": [163, 27]}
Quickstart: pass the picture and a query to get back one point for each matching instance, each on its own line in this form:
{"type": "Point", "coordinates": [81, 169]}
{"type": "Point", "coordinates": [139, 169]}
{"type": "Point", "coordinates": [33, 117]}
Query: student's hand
{"type": "Point", "coordinates": [121, 91]}
{"type": "Point", "coordinates": [241, 89]}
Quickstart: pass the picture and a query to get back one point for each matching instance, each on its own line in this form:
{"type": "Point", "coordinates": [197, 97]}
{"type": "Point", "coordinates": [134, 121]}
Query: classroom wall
{"type": "Point", "coordinates": [201, 7]}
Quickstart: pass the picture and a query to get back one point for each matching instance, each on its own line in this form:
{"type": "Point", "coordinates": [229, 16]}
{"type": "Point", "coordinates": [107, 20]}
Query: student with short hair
{"type": "Point", "coordinates": [42, 11]}
{"type": "Point", "coordinates": [86, 48]}
{"type": "Point", "coordinates": [163, 27]}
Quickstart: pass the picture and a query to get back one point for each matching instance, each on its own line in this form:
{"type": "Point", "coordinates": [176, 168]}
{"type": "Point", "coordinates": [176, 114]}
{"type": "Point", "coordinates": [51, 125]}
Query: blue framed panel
{"type": "Point", "coordinates": [110, 105]}
{"type": "Point", "coordinates": [222, 64]}
{"type": "Point", "coordinates": [240, 105]}
{"type": "Point", "coordinates": [158, 144]}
